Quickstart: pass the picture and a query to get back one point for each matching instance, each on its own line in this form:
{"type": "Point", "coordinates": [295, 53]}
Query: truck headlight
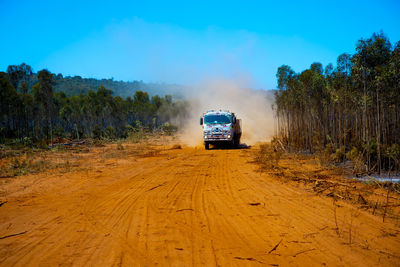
{"type": "Point", "coordinates": [228, 136]}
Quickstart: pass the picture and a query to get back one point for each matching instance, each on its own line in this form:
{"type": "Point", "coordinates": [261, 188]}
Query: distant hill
{"type": "Point", "coordinates": [77, 85]}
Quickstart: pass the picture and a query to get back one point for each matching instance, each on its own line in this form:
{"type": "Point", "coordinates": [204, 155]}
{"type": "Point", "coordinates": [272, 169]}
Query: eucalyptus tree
{"type": "Point", "coordinates": [43, 97]}
{"type": "Point", "coordinates": [351, 108]}
{"type": "Point", "coordinates": [372, 56]}
{"type": "Point", "coordinates": [19, 74]}
{"type": "Point", "coordinates": [8, 96]}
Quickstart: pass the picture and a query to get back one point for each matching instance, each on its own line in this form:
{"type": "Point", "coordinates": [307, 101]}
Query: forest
{"type": "Point", "coordinates": [348, 112]}
{"type": "Point", "coordinates": [33, 111]}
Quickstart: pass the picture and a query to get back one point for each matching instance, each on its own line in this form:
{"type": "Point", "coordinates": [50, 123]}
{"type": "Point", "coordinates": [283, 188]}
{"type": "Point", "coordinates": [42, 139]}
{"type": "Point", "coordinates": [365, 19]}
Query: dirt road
{"type": "Point", "coordinates": [184, 207]}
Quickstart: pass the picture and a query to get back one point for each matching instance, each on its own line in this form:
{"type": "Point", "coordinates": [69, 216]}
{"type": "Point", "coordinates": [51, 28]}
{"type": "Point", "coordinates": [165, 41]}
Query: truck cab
{"type": "Point", "coordinates": [220, 127]}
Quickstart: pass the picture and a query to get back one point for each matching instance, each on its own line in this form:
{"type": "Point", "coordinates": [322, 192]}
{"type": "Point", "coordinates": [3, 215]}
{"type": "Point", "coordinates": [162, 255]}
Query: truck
{"type": "Point", "coordinates": [220, 127]}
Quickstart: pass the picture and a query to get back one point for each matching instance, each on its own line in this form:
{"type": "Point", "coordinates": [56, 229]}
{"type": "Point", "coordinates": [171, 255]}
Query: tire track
{"type": "Point", "coordinates": [192, 208]}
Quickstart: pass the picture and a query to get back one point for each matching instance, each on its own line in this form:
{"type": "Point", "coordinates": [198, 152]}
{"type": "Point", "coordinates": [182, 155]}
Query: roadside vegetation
{"type": "Point", "coordinates": [66, 155]}
{"type": "Point", "coordinates": [305, 170]}
{"type": "Point", "coordinates": [42, 128]}
{"type": "Point", "coordinates": [37, 116]}
{"type": "Point", "coordinates": [347, 113]}
{"type": "Point", "coordinates": [335, 123]}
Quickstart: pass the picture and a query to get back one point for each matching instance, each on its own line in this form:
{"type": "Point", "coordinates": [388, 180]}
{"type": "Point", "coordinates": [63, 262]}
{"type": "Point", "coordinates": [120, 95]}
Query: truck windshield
{"type": "Point", "coordinates": [217, 119]}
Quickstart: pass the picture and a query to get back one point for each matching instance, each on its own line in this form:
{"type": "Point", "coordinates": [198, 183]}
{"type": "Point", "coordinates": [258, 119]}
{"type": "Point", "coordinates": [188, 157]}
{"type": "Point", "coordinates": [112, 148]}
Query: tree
{"type": "Point", "coordinates": [19, 74]}
{"type": "Point", "coordinates": [372, 56]}
{"type": "Point", "coordinates": [8, 96]}
{"type": "Point", "coordinates": [317, 68]}
{"type": "Point", "coordinates": [284, 74]}
{"type": "Point", "coordinates": [43, 96]}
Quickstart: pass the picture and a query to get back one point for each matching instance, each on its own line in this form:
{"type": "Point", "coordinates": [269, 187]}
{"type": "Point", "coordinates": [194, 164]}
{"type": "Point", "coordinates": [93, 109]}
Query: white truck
{"type": "Point", "coordinates": [219, 127]}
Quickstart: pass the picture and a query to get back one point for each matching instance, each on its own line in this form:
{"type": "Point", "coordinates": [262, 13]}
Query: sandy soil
{"type": "Point", "coordinates": [183, 207]}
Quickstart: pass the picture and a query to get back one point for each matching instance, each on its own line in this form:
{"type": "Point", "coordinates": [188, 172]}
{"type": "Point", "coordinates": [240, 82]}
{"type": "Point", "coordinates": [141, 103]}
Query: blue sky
{"type": "Point", "coordinates": [186, 42]}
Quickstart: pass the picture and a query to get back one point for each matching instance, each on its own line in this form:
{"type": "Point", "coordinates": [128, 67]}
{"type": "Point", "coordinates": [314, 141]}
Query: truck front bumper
{"type": "Point", "coordinates": [217, 138]}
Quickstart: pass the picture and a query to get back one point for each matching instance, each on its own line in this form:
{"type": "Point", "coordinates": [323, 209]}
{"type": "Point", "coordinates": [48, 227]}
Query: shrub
{"type": "Point", "coordinates": [358, 161]}
{"type": "Point", "coordinates": [168, 128]}
{"type": "Point", "coordinates": [97, 132]}
{"type": "Point", "coordinates": [110, 132]}
{"type": "Point", "coordinates": [324, 155]}
{"type": "Point", "coordinates": [339, 155]}
{"type": "Point", "coordinates": [120, 146]}
{"type": "Point", "coordinates": [136, 135]}
{"type": "Point", "coordinates": [27, 141]}
{"type": "Point", "coordinates": [42, 144]}
{"type": "Point", "coordinates": [268, 156]}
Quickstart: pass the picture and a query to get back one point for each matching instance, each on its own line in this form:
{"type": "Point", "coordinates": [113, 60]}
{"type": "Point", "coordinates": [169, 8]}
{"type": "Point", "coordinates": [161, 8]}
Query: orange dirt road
{"type": "Point", "coordinates": [184, 207]}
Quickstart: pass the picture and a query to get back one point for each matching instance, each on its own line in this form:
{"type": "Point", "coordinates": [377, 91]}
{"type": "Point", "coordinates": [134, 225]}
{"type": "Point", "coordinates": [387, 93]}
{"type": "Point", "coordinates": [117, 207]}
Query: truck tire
{"type": "Point", "coordinates": [207, 145]}
{"type": "Point", "coordinates": [232, 143]}
{"type": "Point", "coordinates": [236, 141]}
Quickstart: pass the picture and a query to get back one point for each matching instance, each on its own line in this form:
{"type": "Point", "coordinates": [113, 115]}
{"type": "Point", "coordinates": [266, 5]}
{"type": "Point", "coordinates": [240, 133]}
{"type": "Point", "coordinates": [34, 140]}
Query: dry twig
{"type": "Point", "coordinates": [276, 246]}
{"type": "Point", "coordinates": [7, 236]}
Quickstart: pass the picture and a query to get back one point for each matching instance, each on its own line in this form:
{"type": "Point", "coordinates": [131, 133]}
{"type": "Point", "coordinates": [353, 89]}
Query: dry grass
{"type": "Point", "coordinates": [268, 157]}
{"type": "Point", "coordinates": [329, 181]}
{"type": "Point", "coordinates": [40, 161]}
{"type": "Point", "coordinates": [15, 162]}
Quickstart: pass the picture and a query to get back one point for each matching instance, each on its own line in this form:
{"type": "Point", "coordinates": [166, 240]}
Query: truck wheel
{"type": "Point", "coordinates": [206, 145]}
{"type": "Point", "coordinates": [237, 141]}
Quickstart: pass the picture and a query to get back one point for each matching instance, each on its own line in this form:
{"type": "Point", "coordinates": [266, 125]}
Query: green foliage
{"type": "Point", "coordinates": [17, 167]}
{"type": "Point", "coordinates": [19, 75]}
{"type": "Point", "coordinates": [40, 112]}
{"type": "Point", "coordinates": [168, 128]}
{"type": "Point", "coordinates": [136, 135]}
{"type": "Point", "coordinates": [42, 144]}
{"type": "Point", "coordinates": [358, 160]}
{"type": "Point", "coordinates": [110, 133]}
{"type": "Point", "coordinates": [393, 152]}
{"type": "Point", "coordinates": [26, 141]}
{"type": "Point", "coordinates": [325, 155]}
{"type": "Point", "coordinates": [97, 133]}
{"type": "Point", "coordinates": [339, 155]}
{"type": "Point", "coordinates": [23, 165]}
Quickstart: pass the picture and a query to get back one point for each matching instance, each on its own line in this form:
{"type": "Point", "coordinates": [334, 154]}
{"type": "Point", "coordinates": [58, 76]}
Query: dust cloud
{"type": "Point", "coordinates": [253, 107]}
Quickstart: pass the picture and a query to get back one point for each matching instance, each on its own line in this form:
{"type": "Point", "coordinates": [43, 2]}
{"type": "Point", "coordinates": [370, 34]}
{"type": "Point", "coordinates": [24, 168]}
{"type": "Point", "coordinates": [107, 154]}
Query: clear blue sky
{"type": "Point", "coordinates": [187, 41]}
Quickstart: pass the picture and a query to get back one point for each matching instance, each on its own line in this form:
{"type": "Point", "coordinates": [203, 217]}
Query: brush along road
{"type": "Point", "coordinates": [183, 207]}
